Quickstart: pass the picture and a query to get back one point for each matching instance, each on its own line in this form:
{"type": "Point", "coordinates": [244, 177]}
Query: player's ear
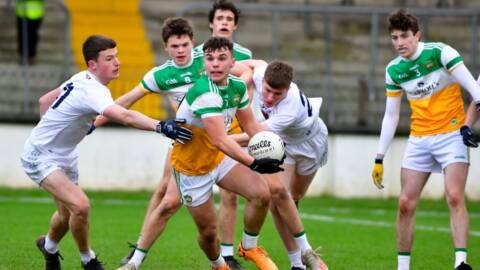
{"type": "Point", "coordinates": [92, 64]}
{"type": "Point", "coordinates": [418, 35]}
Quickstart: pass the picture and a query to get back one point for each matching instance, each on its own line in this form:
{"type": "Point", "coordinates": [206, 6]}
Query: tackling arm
{"type": "Point", "coordinates": [130, 118]}
{"type": "Point", "coordinates": [126, 101]}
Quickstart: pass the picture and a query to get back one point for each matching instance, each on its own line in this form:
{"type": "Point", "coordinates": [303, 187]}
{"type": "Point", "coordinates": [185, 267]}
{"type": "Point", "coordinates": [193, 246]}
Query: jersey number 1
{"type": "Point", "coordinates": [68, 88]}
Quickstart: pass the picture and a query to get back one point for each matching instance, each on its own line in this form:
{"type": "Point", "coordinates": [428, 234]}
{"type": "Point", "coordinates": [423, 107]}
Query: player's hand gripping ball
{"type": "Point", "coordinates": [266, 144]}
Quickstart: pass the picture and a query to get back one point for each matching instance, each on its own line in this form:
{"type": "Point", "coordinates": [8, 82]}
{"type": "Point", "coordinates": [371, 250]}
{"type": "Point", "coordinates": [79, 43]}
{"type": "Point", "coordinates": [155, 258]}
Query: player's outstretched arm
{"type": "Point", "coordinates": [169, 128]}
{"type": "Point", "coordinates": [46, 100]}
{"type": "Point", "coordinates": [126, 101]}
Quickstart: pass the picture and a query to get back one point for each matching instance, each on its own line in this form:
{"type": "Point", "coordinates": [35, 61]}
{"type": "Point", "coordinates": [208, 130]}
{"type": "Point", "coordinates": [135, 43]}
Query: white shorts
{"type": "Point", "coordinates": [196, 190]}
{"type": "Point", "coordinates": [38, 164]}
{"type": "Point", "coordinates": [309, 155]}
{"type": "Point", "coordinates": [434, 153]}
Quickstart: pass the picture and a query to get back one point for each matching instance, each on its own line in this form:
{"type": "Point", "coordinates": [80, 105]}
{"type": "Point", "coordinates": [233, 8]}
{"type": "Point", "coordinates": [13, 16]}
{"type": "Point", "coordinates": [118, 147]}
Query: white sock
{"type": "Point", "coordinates": [249, 241]}
{"type": "Point", "coordinates": [50, 245]}
{"type": "Point", "coordinates": [226, 250]}
{"type": "Point", "coordinates": [460, 256]}
{"type": "Point", "coordinates": [137, 257]}
{"type": "Point", "coordinates": [87, 256]}
{"type": "Point", "coordinates": [302, 241]}
{"type": "Point", "coordinates": [218, 262]}
{"type": "Point", "coordinates": [296, 258]}
{"type": "Point", "coordinates": [403, 261]}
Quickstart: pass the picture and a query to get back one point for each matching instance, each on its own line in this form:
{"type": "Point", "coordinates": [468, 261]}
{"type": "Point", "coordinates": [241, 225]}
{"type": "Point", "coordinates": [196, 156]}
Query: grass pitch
{"type": "Point", "coordinates": [354, 234]}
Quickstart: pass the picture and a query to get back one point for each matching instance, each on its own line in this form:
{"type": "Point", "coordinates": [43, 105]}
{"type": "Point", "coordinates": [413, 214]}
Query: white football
{"type": "Point", "coordinates": [266, 144]}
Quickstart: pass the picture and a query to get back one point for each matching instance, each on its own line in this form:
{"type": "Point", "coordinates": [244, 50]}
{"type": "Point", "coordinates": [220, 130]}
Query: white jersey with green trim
{"type": "Point", "coordinates": [434, 95]}
{"type": "Point", "coordinates": [172, 79]}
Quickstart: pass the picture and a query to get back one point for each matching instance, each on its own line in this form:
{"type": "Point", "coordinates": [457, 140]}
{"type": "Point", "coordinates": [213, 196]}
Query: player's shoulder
{"type": "Point", "coordinates": [241, 52]}
{"type": "Point", "coordinates": [167, 65]}
{"type": "Point", "coordinates": [202, 85]}
{"type": "Point", "coordinates": [434, 45]}
{"type": "Point", "coordinates": [236, 81]}
{"type": "Point", "coordinates": [241, 49]}
{"type": "Point", "coordinates": [394, 63]}
{"type": "Point", "coordinates": [85, 80]}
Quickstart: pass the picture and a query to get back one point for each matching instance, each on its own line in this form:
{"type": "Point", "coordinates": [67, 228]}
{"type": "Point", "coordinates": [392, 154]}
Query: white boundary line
{"type": "Point", "coordinates": [306, 216]}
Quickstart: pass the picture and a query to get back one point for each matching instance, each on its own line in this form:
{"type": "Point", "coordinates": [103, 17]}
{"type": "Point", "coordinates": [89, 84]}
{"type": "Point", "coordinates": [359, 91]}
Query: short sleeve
{"type": "Point", "coordinates": [148, 82]}
{"type": "Point", "coordinates": [392, 88]}
{"type": "Point", "coordinates": [450, 58]}
{"type": "Point", "coordinates": [207, 105]}
{"type": "Point", "coordinates": [99, 99]}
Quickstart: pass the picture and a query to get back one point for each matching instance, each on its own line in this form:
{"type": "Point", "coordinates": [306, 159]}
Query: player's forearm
{"type": "Point", "coordinates": [232, 149]}
{"type": "Point", "coordinates": [389, 125]}
{"type": "Point", "coordinates": [130, 118]}
{"type": "Point", "coordinates": [241, 139]}
{"type": "Point", "coordinates": [140, 121]}
{"type": "Point", "coordinates": [472, 115]}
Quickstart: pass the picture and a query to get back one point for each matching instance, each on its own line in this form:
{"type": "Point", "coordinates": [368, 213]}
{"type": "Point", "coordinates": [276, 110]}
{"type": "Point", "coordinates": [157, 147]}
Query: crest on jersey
{"type": "Point", "coordinates": [429, 64]}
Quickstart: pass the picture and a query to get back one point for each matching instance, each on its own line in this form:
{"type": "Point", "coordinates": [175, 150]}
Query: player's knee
{"type": "Point", "coordinates": [405, 206]}
{"type": "Point", "coordinates": [279, 193]}
{"type": "Point", "coordinates": [455, 198]}
{"type": "Point", "coordinates": [208, 233]}
{"type": "Point", "coordinates": [171, 204]}
{"type": "Point", "coordinates": [81, 208]}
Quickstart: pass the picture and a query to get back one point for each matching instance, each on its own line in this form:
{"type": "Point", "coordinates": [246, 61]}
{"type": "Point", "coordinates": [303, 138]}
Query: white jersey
{"type": "Point", "coordinates": [69, 118]}
{"type": "Point", "coordinates": [293, 118]}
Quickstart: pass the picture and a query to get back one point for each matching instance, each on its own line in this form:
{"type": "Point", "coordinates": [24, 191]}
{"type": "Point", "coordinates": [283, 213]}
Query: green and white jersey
{"type": "Point", "coordinates": [239, 52]}
{"type": "Point", "coordinates": [206, 99]}
{"type": "Point", "coordinates": [434, 96]}
{"type": "Point", "coordinates": [172, 79]}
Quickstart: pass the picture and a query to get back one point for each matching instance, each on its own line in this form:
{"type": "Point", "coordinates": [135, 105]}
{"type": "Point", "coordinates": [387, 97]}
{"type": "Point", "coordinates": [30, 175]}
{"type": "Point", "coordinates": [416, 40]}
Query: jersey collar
{"type": "Point", "coordinates": [419, 51]}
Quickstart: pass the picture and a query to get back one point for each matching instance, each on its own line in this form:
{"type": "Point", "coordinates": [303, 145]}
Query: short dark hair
{"type": "Point", "coordinates": [217, 43]}
{"type": "Point", "coordinates": [278, 74]}
{"type": "Point", "coordinates": [402, 20]}
{"type": "Point", "coordinates": [176, 26]}
{"type": "Point", "coordinates": [224, 5]}
{"type": "Point", "coordinates": [94, 44]}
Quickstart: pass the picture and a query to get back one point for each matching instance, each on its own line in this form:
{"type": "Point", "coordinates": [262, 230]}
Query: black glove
{"type": "Point", "coordinates": [469, 139]}
{"type": "Point", "coordinates": [477, 106]}
{"type": "Point", "coordinates": [92, 128]}
{"type": "Point", "coordinates": [266, 165]}
{"type": "Point", "coordinates": [172, 130]}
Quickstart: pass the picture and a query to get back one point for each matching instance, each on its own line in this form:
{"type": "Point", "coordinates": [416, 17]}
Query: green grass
{"type": "Point", "coordinates": [354, 234]}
